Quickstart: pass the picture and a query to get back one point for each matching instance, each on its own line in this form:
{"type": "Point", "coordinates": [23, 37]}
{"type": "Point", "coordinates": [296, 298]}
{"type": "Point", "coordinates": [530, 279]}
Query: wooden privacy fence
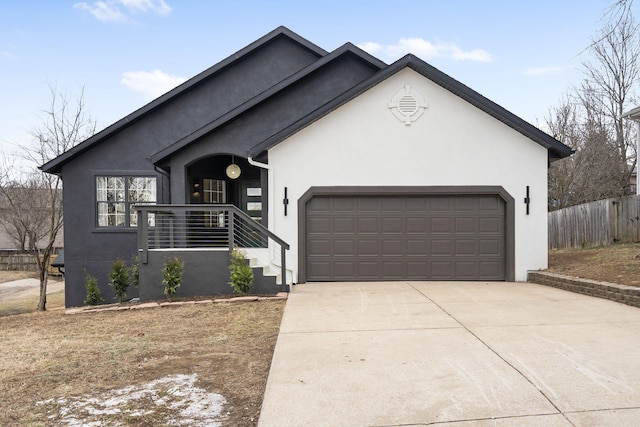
{"type": "Point", "coordinates": [21, 261]}
{"type": "Point", "coordinates": [598, 223]}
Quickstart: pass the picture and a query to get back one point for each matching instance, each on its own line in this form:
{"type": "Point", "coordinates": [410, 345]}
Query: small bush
{"type": "Point", "coordinates": [172, 276]}
{"type": "Point", "coordinates": [94, 297]}
{"type": "Point", "coordinates": [241, 278]}
{"type": "Point", "coordinates": [119, 279]}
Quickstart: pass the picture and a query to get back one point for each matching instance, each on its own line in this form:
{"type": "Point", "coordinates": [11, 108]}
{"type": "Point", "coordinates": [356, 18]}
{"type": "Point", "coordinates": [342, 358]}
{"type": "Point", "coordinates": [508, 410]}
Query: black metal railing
{"type": "Point", "coordinates": [206, 226]}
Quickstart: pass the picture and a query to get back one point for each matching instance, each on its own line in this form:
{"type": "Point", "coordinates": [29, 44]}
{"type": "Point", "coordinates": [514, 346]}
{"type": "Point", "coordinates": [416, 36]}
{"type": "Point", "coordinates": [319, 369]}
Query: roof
{"type": "Point", "coordinates": [632, 114]}
{"type": "Point", "coordinates": [347, 48]}
{"type": "Point", "coordinates": [557, 150]}
{"type": "Point", "coordinates": [54, 166]}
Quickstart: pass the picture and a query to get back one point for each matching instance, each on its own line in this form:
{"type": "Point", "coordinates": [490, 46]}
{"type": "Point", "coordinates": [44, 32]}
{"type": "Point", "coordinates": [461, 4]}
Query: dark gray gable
{"type": "Point", "coordinates": [296, 96]}
{"type": "Point", "coordinates": [166, 100]}
{"type": "Point", "coordinates": [556, 149]}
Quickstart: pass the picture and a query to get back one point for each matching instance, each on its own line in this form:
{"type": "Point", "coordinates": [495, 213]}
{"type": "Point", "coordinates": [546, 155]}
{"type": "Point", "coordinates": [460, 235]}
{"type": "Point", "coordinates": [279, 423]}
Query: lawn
{"type": "Point", "coordinates": [203, 364]}
{"type": "Point", "coordinates": [615, 263]}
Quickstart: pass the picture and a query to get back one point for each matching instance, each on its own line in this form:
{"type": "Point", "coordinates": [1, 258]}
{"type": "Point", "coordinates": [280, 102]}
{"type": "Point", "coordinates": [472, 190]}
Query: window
{"type": "Point", "coordinates": [116, 196]}
{"type": "Point", "coordinates": [214, 191]}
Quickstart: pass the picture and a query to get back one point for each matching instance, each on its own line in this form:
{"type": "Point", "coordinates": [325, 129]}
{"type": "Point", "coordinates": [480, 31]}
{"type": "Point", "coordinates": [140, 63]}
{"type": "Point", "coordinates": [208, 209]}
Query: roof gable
{"type": "Point", "coordinates": [55, 165]}
{"type": "Point", "coordinates": [556, 149]}
{"type": "Point", "coordinates": [347, 50]}
{"type": "Point", "coordinates": [380, 72]}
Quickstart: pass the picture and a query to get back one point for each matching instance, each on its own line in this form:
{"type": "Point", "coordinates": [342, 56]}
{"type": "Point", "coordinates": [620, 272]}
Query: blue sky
{"type": "Point", "coordinates": [522, 54]}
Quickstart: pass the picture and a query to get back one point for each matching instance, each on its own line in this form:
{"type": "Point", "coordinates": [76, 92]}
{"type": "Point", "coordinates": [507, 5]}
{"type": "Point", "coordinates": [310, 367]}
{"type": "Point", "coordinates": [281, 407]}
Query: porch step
{"type": "Point", "coordinates": [259, 258]}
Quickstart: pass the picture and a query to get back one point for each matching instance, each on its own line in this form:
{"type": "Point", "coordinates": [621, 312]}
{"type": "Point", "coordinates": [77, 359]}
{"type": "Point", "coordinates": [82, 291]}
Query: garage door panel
{"type": "Point", "coordinates": [417, 204]}
{"type": "Point", "coordinates": [345, 204]}
{"type": "Point", "coordinates": [491, 247]}
{"type": "Point", "coordinates": [441, 204]}
{"type": "Point", "coordinates": [417, 247]}
{"type": "Point", "coordinates": [368, 225]}
{"type": "Point", "coordinates": [491, 269]}
{"type": "Point", "coordinates": [368, 204]}
{"type": "Point", "coordinates": [319, 226]}
{"type": "Point", "coordinates": [437, 237]}
{"type": "Point", "coordinates": [393, 247]}
{"type": "Point", "coordinates": [344, 247]}
{"type": "Point", "coordinates": [465, 225]}
{"type": "Point", "coordinates": [368, 247]}
{"type": "Point", "coordinates": [466, 247]}
{"type": "Point", "coordinates": [462, 204]}
{"type": "Point", "coordinates": [442, 247]}
{"type": "Point", "coordinates": [344, 226]}
{"type": "Point", "coordinates": [321, 270]}
{"type": "Point", "coordinates": [490, 225]}
{"type": "Point", "coordinates": [393, 225]}
{"type": "Point", "coordinates": [319, 246]}
{"type": "Point", "coordinates": [441, 225]}
{"type": "Point", "coordinates": [416, 225]}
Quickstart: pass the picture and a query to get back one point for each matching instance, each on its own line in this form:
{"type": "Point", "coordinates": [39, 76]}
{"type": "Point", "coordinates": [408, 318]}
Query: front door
{"type": "Point", "coordinates": [251, 199]}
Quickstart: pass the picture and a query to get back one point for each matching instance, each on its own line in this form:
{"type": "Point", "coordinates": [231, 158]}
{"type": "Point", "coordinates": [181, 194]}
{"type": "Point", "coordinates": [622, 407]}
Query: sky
{"type": "Point", "coordinates": [522, 54]}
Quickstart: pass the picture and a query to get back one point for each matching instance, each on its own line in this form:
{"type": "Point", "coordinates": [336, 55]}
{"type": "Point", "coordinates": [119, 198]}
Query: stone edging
{"type": "Point", "coordinates": [629, 295]}
{"type": "Point", "coordinates": [144, 305]}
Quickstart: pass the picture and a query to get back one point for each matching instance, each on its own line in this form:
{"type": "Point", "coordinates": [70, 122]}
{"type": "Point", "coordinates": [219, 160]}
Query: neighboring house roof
{"type": "Point", "coordinates": [633, 114]}
{"type": "Point", "coordinates": [555, 148]}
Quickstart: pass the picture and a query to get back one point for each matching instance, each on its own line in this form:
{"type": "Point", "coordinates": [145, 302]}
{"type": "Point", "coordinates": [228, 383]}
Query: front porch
{"type": "Point", "coordinates": [203, 236]}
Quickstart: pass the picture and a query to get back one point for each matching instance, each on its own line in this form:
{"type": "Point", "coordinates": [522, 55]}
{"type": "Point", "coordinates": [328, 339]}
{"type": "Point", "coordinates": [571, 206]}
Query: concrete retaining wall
{"type": "Point", "coordinates": [624, 294]}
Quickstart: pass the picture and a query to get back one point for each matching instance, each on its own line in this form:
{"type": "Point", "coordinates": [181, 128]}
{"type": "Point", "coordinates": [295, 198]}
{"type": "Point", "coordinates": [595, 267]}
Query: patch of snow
{"type": "Point", "coordinates": [193, 406]}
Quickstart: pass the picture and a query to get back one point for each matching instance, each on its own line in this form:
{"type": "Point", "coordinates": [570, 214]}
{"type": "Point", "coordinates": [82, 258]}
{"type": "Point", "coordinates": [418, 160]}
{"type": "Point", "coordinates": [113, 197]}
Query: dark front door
{"type": "Point", "coordinates": [434, 237]}
{"type": "Point", "coordinates": [251, 199]}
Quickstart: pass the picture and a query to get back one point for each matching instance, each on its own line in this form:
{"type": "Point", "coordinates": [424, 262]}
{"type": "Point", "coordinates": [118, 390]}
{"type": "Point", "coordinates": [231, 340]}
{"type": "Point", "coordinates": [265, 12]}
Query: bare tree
{"type": "Point", "coordinates": [36, 199]}
{"type": "Point", "coordinates": [612, 75]}
{"type": "Point", "coordinates": [590, 118]}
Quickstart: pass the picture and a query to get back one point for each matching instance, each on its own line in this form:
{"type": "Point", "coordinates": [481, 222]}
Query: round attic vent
{"type": "Point", "coordinates": [407, 105]}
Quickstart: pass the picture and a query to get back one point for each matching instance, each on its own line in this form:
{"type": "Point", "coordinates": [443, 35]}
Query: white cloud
{"type": "Point", "coordinates": [427, 50]}
{"type": "Point", "coordinates": [151, 84]}
{"type": "Point", "coordinates": [157, 6]}
{"type": "Point", "coordinates": [542, 71]}
{"type": "Point", "coordinates": [119, 10]}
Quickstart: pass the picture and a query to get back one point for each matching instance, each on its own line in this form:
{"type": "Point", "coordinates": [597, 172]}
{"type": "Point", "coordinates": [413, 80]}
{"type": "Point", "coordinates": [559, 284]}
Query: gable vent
{"type": "Point", "coordinates": [407, 105]}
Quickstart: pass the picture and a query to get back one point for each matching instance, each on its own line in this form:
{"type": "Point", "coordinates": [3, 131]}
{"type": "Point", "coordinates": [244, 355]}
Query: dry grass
{"type": "Point", "coordinates": [615, 263]}
{"type": "Point", "coordinates": [52, 355]}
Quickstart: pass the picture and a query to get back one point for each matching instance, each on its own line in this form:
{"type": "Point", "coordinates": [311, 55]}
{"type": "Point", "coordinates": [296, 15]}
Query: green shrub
{"type": "Point", "coordinates": [119, 279]}
{"type": "Point", "coordinates": [94, 297]}
{"type": "Point", "coordinates": [135, 271]}
{"type": "Point", "coordinates": [241, 278]}
{"type": "Point", "coordinates": [172, 276]}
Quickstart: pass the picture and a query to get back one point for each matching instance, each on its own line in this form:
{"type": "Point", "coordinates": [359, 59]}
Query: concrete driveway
{"type": "Point", "coordinates": [453, 353]}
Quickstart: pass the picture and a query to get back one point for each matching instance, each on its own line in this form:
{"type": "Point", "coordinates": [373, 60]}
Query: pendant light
{"type": "Point", "coordinates": [233, 170]}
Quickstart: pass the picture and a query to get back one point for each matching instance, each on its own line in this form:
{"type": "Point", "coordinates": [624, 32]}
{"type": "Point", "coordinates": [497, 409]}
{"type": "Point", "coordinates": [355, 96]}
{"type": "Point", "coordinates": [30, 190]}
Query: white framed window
{"type": "Point", "coordinates": [117, 195]}
{"type": "Point", "coordinates": [214, 191]}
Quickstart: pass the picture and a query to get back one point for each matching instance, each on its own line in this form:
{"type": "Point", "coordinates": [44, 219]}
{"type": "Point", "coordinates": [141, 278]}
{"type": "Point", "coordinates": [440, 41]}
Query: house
{"type": "Point", "coordinates": [321, 166]}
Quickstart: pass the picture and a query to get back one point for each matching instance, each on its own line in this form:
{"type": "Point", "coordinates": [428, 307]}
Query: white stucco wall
{"type": "Point", "coordinates": [453, 143]}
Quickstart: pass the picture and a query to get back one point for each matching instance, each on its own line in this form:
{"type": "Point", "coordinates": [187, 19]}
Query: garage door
{"type": "Point", "coordinates": [435, 237]}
